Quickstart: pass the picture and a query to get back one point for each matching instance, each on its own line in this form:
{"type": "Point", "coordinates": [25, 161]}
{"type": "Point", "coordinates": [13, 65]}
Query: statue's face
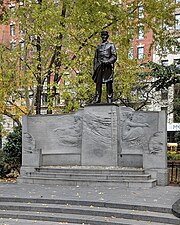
{"type": "Point", "coordinates": [104, 37]}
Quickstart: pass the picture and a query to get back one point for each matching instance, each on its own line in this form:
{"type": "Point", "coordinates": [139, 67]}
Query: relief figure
{"type": "Point", "coordinates": [28, 142]}
{"type": "Point", "coordinates": [70, 134]}
{"type": "Point", "coordinates": [156, 143]}
{"type": "Point", "coordinates": [133, 131]}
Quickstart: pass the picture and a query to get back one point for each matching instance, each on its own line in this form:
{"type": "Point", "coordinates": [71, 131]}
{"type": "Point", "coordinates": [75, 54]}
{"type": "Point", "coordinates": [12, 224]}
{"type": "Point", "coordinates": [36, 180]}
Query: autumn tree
{"type": "Point", "coordinates": [153, 78]}
{"type": "Point", "coordinates": [60, 39]}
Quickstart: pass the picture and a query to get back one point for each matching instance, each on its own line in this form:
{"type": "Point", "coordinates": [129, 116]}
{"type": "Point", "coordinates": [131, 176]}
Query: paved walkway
{"type": "Point", "coordinates": [153, 196]}
{"type": "Point", "coordinates": [158, 196]}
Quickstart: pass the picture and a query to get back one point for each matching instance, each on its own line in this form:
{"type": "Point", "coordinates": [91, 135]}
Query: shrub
{"type": "Point", "coordinates": [2, 168]}
{"type": "Point", "coordinates": [12, 153]}
{"type": "Point", "coordinates": [173, 156]}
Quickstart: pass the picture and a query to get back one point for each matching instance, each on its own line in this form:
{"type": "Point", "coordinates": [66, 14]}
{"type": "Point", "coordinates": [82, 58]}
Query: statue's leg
{"type": "Point", "coordinates": [109, 91]}
{"type": "Point", "coordinates": [98, 92]}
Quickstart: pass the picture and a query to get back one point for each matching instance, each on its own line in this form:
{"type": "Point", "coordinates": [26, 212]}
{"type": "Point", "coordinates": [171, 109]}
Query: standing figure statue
{"type": "Point", "coordinates": [104, 59]}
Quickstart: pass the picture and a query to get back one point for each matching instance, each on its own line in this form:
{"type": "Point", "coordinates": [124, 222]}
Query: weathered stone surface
{"type": "Point", "coordinates": [99, 143]}
{"type": "Point", "coordinates": [31, 156]}
{"type": "Point", "coordinates": [155, 159]}
{"type": "Point", "coordinates": [144, 134]}
{"type": "Point", "coordinates": [56, 133]}
{"type": "Point", "coordinates": [130, 160]}
{"type": "Point", "coordinates": [61, 159]}
{"type": "Point", "coordinates": [136, 129]}
{"type": "Point", "coordinates": [98, 135]}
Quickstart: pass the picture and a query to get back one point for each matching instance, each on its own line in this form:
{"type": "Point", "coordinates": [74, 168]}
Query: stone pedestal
{"type": "Point", "coordinates": [98, 135]}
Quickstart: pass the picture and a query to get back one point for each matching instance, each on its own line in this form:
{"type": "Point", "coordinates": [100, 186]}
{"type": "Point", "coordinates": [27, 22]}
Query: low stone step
{"type": "Point", "coordinates": [91, 170]}
{"type": "Point", "coordinates": [86, 219]}
{"type": "Point", "coordinates": [87, 182]}
{"type": "Point", "coordinates": [97, 204]}
{"type": "Point", "coordinates": [91, 211]}
{"type": "Point", "coordinates": [91, 176]}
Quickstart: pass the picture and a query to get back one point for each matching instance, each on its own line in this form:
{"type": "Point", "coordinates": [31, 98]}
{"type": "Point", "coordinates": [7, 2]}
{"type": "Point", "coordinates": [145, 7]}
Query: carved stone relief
{"type": "Point", "coordinates": [70, 135]}
{"type": "Point", "coordinates": [98, 127]}
{"type": "Point", "coordinates": [134, 130]}
{"type": "Point", "coordinates": [99, 139]}
{"type": "Point", "coordinates": [156, 143]}
{"type": "Point", "coordinates": [29, 144]}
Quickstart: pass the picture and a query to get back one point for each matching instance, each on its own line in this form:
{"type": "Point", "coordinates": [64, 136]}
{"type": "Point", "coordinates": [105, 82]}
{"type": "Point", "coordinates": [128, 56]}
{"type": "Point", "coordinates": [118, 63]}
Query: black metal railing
{"type": "Point", "coordinates": [174, 171]}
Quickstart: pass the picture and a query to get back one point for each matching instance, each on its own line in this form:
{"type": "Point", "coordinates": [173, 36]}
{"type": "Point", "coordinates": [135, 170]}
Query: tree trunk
{"type": "Point", "coordinates": [57, 60]}
{"type": "Point", "coordinates": [49, 95]}
{"type": "Point", "coordinates": [38, 99]}
{"type": "Point", "coordinates": [39, 75]}
{"type": "Point", "coordinates": [39, 78]}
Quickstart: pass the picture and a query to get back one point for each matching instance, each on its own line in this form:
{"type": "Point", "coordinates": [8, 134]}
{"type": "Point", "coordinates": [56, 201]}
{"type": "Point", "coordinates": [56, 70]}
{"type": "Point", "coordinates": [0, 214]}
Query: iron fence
{"type": "Point", "coordinates": [174, 171]}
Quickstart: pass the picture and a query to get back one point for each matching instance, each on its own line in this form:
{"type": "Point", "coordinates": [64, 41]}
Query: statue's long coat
{"type": "Point", "coordinates": [104, 52]}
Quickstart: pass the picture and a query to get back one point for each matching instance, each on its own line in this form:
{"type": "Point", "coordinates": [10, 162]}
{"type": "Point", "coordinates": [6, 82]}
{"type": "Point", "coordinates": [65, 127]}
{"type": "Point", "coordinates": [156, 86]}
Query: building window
{"type": "Point", "coordinates": [164, 95]}
{"type": "Point", "coordinates": [164, 62]}
{"type": "Point", "coordinates": [177, 21]}
{"type": "Point", "coordinates": [130, 54]}
{"type": "Point", "coordinates": [141, 33]}
{"type": "Point", "coordinates": [22, 45]}
{"type": "Point", "coordinates": [13, 44]}
{"type": "Point", "coordinates": [12, 29]}
{"type": "Point", "coordinates": [141, 12]}
{"type": "Point", "coordinates": [21, 31]}
{"type": "Point", "coordinates": [140, 52]}
{"type": "Point", "coordinates": [44, 99]}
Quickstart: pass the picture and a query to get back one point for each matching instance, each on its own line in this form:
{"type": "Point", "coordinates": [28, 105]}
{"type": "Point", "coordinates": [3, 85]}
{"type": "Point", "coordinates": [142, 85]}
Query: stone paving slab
{"type": "Point", "coordinates": [157, 196]}
{"type": "Point", "coordinates": [10, 221]}
{"type": "Point", "coordinates": [4, 221]}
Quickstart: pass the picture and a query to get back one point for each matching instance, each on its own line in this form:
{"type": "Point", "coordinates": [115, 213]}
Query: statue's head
{"type": "Point", "coordinates": [104, 35]}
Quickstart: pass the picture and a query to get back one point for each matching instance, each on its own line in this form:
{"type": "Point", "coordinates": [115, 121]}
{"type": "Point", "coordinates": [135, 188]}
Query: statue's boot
{"type": "Point", "coordinates": [109, 99]}
{"type": "Point", "coordinates": [97, 98]}
{"type": "Point", "coordinates": [109, 91]}
{"type": "Point", "coordinates": [98, 92]}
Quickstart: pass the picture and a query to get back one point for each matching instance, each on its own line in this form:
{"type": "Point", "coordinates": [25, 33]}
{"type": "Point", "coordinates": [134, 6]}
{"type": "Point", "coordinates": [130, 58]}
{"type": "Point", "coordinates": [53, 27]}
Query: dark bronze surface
{"type": "Point", "coordinates": [104, 59]}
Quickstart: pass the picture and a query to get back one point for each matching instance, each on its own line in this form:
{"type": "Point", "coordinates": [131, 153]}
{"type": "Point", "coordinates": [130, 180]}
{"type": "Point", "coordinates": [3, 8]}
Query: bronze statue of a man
{"type": "Point", "coordinates": [104, 59]}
